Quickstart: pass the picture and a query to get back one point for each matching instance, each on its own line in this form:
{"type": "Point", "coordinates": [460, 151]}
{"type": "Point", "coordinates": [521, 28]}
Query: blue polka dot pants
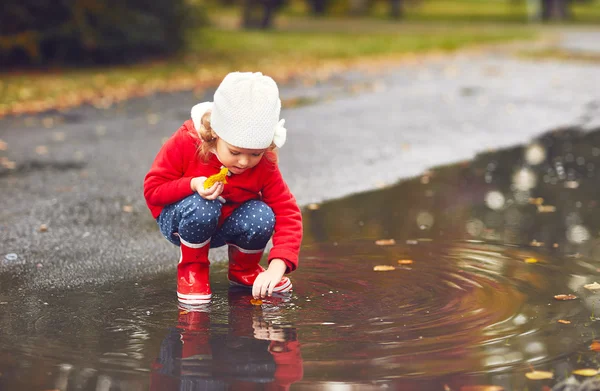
{"type": "Point", "coordinates": [195, 220]}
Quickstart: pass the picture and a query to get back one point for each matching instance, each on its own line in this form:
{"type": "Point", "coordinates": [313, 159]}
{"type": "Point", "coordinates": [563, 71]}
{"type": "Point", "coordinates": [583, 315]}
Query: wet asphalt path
{"type": "Point", "coordinates": [81, 173]}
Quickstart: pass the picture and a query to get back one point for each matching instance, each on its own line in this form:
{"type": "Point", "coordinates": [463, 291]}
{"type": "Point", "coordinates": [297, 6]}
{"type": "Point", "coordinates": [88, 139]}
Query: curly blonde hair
{"type": "Point", "coordinates": [209, 141]}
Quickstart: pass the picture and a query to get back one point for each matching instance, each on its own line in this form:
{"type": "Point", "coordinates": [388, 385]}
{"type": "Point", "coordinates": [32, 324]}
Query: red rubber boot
{"type": "Point", "coordinates": [193, 284]}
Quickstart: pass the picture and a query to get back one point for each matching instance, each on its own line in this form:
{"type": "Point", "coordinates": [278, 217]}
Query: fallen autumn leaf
{"type": "Point", "coordinates": [539, 375]}
{"type": "Point", "coordinates": [565, 297]}
{"type": "Point", "coordinates": [385, 242]}
{"type": "Point", "coordinates": [585, 372]}
{"type": "Point", "coordinates": [383, 268]}
{"type": "Point", "coordinates": [593, 287]}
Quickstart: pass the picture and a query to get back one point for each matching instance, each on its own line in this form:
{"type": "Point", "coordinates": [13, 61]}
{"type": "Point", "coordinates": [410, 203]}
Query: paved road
{"type": "Point", "coordinates": [78, 171]}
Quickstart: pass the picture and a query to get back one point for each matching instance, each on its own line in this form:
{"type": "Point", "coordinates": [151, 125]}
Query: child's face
{"type": "Point", "coordinates": [238, 160]}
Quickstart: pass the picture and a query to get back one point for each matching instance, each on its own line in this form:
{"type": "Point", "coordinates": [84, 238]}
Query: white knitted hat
{"type": "Point", "coordinates": [245, 111]}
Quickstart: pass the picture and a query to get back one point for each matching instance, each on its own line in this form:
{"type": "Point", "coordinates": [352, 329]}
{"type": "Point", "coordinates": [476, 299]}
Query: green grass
{"type": "Point", "coordinates": [298, 44]}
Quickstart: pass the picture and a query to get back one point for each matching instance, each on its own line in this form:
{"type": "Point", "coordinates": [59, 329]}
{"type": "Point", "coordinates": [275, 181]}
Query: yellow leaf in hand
{"type": "Point", "coordinates": [220, 177]}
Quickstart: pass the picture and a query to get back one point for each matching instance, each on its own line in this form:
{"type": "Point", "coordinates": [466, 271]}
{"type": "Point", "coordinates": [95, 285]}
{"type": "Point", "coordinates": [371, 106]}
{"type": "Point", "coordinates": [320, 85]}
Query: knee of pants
{"type": "Point", "coordinates": [199, 218]}
{"type": "Point", "coordinates": [260, 222]}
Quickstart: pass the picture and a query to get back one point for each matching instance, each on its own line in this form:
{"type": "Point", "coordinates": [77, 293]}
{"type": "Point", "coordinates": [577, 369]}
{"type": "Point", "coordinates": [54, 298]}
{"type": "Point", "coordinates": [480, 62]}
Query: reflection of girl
{"type": "Point", "coordinates": [236, 134]}
{"type": "Point", "coordinates": [253, 352]}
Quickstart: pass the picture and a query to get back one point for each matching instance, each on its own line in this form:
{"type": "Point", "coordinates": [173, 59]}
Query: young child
{"type": "Point", "coordinates": [240, 131]}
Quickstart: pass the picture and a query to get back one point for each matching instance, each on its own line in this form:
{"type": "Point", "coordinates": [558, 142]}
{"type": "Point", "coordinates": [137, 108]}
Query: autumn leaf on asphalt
{"type": "Point", "coordinates": [530, 260]}
{"type": "Point", "coordinates": [482, 388]}
{"type": "Point", "coordinates": [595, 346]}
{"type": "Point", "coordinates": [256, 301]}
{"type": "Point", "coordinates": [536, 201]}
{"type": "Point", "coordinates": [546, 209]}
{"type": "Point", "coordinates": [383, 268]}
{"type": "Point", "coordinates": [127, 208]}
{"type": "Point", "coordinates": [593, 287]}
{"type": "Point", "coordinates": [3, 146]}
{"type": "Point", "coordinates": [565, 297]}
{"type": "Point", "coordinates": [385, 242]}
{"type": "Point", "coordinates": [585, 372]}
{"type": "Point", "coordinates": [564, 321]}
{"type": "Point", "coordinates": [43, 228]}
{"type": "Point", "coordinates": [539, 375]}
{"type": "Point", "coordinates": [405, 261]}
{"type": "Point", "coordinates": [41, 150]}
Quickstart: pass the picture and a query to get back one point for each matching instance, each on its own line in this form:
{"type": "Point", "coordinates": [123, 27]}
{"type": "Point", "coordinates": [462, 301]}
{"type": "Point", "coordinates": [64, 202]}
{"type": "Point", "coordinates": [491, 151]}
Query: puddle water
{"type": "Point", "coordinates": [492, 242]}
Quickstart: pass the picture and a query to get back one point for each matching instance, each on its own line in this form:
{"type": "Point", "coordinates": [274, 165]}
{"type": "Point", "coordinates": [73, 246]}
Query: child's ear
{"type": "Point", "coordinates": [213, 134]}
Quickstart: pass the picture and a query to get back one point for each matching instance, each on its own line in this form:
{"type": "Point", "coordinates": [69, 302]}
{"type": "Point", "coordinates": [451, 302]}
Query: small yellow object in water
{"type": "Point", "coordinates": [256, 301]}
{"type": "Point", "coordinates": [539, 375]}
{"type": "Point", "coordinates": [220, 177]}
{"type": "Point", "coordinates": [530, 260]}
{"type": "Point", "coordinates": [585, 372]}
{"type": "Point", "coordinates": [383, 268]}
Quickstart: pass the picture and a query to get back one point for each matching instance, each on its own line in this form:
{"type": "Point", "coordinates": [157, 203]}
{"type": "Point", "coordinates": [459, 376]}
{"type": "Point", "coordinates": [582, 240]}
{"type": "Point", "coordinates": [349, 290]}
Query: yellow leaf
{"type": "Point", "coordinates": [383, 268]}
{"type": "Point", "coordinates": [539, 375]}
{"type": "Point", "coordinates": [530, 260]}
{"type": "Point", "coordinates": [256, 301]}
{"type": "Point", "coordinates": [385, 242]}
{"type": "Point", "coordinates": [586, 372]}
{"type": "Point", "coordinates": [220, 177]}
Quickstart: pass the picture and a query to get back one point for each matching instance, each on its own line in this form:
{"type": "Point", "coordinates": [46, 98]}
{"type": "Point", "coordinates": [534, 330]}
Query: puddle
{"type": "Point", "coordinates": [492, 242]}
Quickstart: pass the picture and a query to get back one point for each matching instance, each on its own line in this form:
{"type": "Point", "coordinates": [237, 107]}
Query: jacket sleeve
{"type": "Point", "coordinates": [288, 219]}
{"type": "Point", "coordinates": [165, 183]}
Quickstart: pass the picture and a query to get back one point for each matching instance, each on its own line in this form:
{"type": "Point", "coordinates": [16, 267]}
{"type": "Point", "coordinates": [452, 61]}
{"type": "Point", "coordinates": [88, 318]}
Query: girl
{"type": "Point", "coordinates": [238, 131]}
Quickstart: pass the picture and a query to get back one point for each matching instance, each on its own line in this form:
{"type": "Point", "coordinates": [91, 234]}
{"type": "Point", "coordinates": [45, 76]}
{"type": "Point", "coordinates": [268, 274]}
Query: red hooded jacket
{"type": "Point", "coordinates": [177, 162]}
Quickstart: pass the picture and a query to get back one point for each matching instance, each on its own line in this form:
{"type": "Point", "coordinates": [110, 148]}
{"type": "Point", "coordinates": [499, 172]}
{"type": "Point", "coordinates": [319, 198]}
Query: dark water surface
{"type": "Point", "coordinates": [491, 241]}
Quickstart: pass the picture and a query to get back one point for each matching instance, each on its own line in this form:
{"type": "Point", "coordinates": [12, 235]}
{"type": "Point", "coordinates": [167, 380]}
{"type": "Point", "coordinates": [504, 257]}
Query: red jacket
{"type": "Point", "coordinates": [177, 162]}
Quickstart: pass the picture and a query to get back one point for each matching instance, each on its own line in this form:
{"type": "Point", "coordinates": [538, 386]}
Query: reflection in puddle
{"type": "Point", "coordinates": [491, 242]}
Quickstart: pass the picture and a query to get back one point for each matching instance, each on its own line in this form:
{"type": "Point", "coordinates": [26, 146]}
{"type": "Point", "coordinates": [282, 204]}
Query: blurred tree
{"type": "Point", "coordinates": [43, 32]}
{"type": "Point", "coordinates": [396, 9]}
{"type": "Point", "coordinates": [555, 10]}
{"type": "Point", "coordinates": [318, 7]}
{"type": "Point", "coordinates": [258, 14]}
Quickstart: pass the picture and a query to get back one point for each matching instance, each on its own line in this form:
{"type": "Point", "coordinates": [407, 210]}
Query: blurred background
{"type": "Point", "coordinates": [59, 55]}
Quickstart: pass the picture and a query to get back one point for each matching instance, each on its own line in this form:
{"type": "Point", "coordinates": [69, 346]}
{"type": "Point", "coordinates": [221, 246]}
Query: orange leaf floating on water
{"type": "Point", "coordinates": [383, 268]}
{"type": "Point", "coordinates": [564, 321]}
{"type": "Point", "coordinates": [256, 301]}
{"type": "Point", "coordinates": [530, 260]}
{"type": "Point", "coordinates": [539, 375]}
{"type": "Point", "coordinates": [565, 297]}
{"type": "Point", "coordinates": [385, 242]}
{"type": "Point", "coordinates": [405, 261]}
{"type": "Point", "coordinates": [595, 346]}
{"type": "Point", "coordinates": [481, 388]}
{"type": "Point", "coordinates": [585, 372]}
{"type": "Point", "coordinates": [220, 177]}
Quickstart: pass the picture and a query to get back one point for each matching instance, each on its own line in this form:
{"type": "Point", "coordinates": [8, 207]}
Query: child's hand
{"type": "Point", "coordinates": [266, 281]}
{"type": "Point", "coordinates": [197, 184]}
